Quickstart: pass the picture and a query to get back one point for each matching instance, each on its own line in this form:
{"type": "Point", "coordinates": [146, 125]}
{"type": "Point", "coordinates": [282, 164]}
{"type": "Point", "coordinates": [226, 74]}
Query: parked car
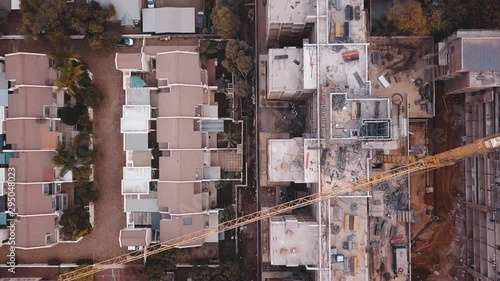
{"type": "Point", "coordinates": [126, 42]}
{"type": "Point", "coordinates": [151, 4]}
{"type": "Point", "coordinates": [357, 13]}
{"type": "Point", "coordinates": [348, 12]}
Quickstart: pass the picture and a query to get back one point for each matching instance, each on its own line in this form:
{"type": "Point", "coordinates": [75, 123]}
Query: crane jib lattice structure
{"type": "Point", "coordinates": [447, 158]}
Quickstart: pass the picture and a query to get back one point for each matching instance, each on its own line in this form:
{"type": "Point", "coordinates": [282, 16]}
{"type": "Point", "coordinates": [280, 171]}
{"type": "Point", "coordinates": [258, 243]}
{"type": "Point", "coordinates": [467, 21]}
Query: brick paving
{"type": "Point", "coordinates": [102, 243]}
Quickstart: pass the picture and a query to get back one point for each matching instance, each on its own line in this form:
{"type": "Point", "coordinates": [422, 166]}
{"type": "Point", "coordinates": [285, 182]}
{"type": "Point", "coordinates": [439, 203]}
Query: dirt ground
{"type": "Point", "coordinates": [420, 200]}
{"type": "Point", "coordinates": [438, 251]}
{"type": "Point", "coordinates": [102, 243]}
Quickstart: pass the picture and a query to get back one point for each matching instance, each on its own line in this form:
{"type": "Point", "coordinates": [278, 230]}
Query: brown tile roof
{"type": "Point", "coordinates": [180, 101]}
{"type": "Point", "coordinates": [126, 61]}
{"type": "Point", "coordinates": [179, 133]}
{"type": "Point", "coordinates": [179, 67]}
{"type": "Point", "coordinates": [33, 166]}
{"type": "Point", "coordinates": [179, 225]}
{"type": "Point", "coordinates": [29, 69]}
{"type": "Point", "coordinates": [30, 134]}
{"type": "Point", "coordinates": [30, 200]}
{"type": "Point", "coordinates": [29, 101]}
{"type": "Point", "coordinates": [31, 231]}
{"type": "Point", "coordinates": [181, 165]}
{"type": "Point", "coordinates": [180, 197]}
{"type": "Point", "coordinates": [134, 237]}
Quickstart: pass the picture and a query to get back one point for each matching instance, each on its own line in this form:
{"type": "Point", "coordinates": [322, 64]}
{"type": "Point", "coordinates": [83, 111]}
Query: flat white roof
{"type": "Point", "coordinates": [286, 160]}
{"type": "Point", "coordinates": [285, 11]}
{"type": "Point", "coordinates": [135, 187]}
{"type": "Point", "coordinates": [136, 180]}
{"type": "Point", "coordinates": [285, 70]}
{"type": "Point", "coordinates": [311, 160]}
{"type": "Point", "coordinates": [168, 20]}
{"type": "Point", "coordinates": [15, 5]}
{"type": "Point", "coordinates": [138, 96]}
{"type": "Point", "coordinates": [402, 261]}
{"type": "Point", "coordinates": [334, 70]}
{"type": "Point", "coordinates": [293, 242]}
{"type": "Point", "coordinates": [137, 111]}
{"type": "Point", "coordinates": [135, 118]}
{"type": "Point", "coordinates": [137, 173]}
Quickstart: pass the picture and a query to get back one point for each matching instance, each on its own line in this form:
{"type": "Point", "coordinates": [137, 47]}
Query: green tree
{"type": "Point", "coordinates": [408, 19]}
{"type": "Point", "coordinates": [75, 222]}
{"type": "Point", "coordinates": [230, 138]}
{"type": "Point", "coordinates": [85, 124]}
{"type": "Point", "coordinates": [226, 22]}
{"type": "Point", "coordinates": [241, 87]}
{"type": "Point", "coordinates": [76, 157]}
{"type": "Point", "coordinates": [228, 271]}
{"type": "Point", "coordinates": [44, 19]}
{"type": "Point", "coordinates": [158, 265]}
{"type": "Point", "coordinates": [70, 115]}
{"type": "Point", "coordinates": [69, 76]}
{"type": "Point", "coordinates": [4, 15]}
{"type": "Point", "coordinates": [64, 158]}
{"type": "Point", "coordinates": [90, 96]}
{"type": "Point", "coordinates": [86, 191]}
{"type": "Point", "coordinates": [82, 173]}
{"type": "Point", "coordinates": [238, 58]}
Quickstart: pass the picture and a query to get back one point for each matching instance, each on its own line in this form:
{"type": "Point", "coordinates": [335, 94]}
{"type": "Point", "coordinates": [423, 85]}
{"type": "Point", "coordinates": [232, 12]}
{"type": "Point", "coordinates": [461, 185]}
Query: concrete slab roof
{"type": "Point", "coordinates": [335, 70]}
{"type": "Point", "coordinates": [284, 11]}
{"type": "Point", "coordinates": [285, 70]}
{"type": "Point", "coordinates": [135, 118]}
{"type": "Point", "coordinates": [293, 242]}
{"type": "Point", "coordinates": [138, 96]}
{"type": "Point", "coordinates": [348, 116]}
{"type": "Point", "coordinates": [135, 141]}
{"type": "Point", "coordinates": [286, 160]}
{"type": "Point", "coordinates": [141, 205]}
{"type": "Point", "coordinates": [136, 180]}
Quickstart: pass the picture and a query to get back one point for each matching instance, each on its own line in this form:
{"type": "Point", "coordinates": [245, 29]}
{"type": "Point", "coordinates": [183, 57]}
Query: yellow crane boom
{"type": "Point", "coordinates": [432, 162]}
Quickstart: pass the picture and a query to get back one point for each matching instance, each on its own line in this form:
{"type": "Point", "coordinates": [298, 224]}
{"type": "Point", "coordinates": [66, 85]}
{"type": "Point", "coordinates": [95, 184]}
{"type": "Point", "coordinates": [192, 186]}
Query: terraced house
{"type": "Point", "coordinates": [31, 129]}
{"type": "Point", "coordinates": [170, 129]}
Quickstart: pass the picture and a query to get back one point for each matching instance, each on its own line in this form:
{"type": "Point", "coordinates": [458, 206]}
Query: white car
{"type": "Point", "coordinates": [151, 4]}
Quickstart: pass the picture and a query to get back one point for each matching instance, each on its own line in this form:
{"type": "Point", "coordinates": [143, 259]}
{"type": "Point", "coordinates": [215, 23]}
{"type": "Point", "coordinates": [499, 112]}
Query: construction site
{"type": "Point", "coordinates": [357, 126]}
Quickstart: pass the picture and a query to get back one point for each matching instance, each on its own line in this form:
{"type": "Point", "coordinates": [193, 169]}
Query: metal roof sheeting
{"type": "Point", "coordinates": [168, 20]}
